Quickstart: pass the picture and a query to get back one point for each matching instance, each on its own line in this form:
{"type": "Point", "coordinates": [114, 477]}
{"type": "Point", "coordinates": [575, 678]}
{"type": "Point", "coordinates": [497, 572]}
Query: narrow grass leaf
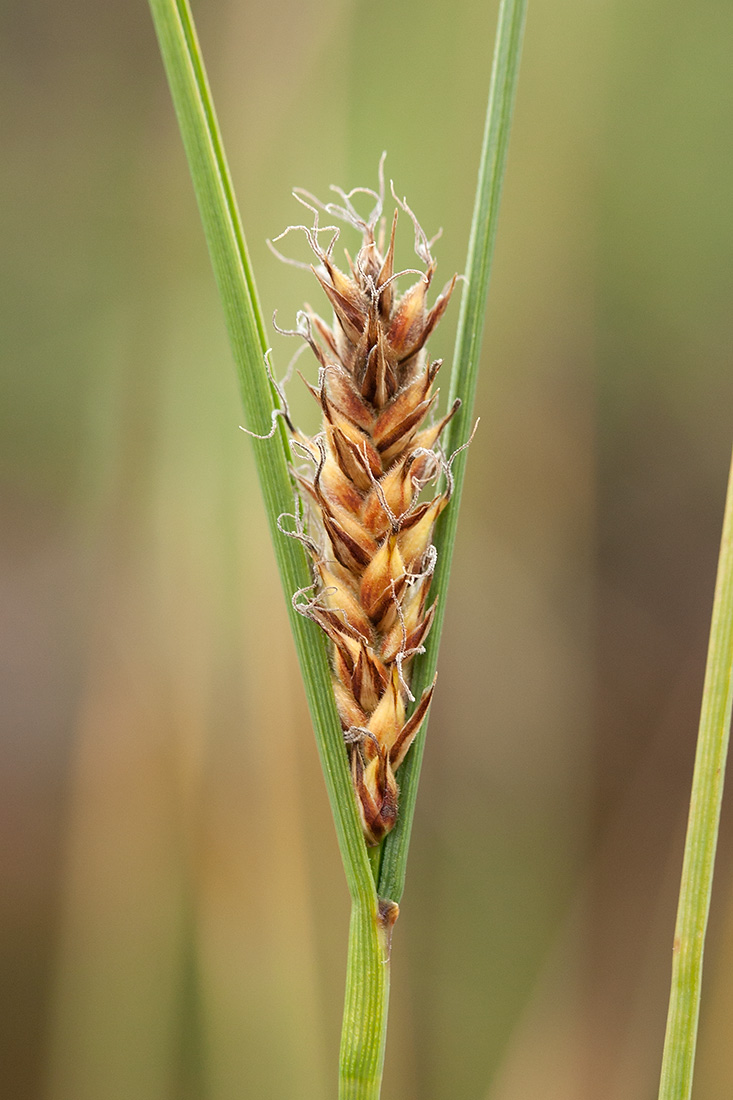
{"type": "Point", "coordinates": [464, 376]}
{"type": "Point", "coordinates": [222, 225]}
{"type": "Point", "coordinates": [702, 832]}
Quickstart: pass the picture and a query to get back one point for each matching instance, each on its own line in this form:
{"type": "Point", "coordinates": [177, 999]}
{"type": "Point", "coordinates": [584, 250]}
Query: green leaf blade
{"type": "Point", "coordinates": [464, 377]}
{"type": "Point", "coordinates": [680, 1042]}
{"type": "Point", "coordinates": [227, 248]}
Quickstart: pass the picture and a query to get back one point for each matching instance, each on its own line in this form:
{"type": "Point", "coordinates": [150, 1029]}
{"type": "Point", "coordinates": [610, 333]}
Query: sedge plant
{"type": "Point", "coordinates": [365, 553]}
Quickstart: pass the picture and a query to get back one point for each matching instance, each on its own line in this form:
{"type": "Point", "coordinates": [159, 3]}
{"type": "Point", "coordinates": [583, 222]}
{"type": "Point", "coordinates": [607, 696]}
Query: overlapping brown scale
{"type": "Point", "coordinates": [388, 717]}
{"type": "Point", "coordinates": [350, 712]}
{"type": "Point", "coordinates": [407, 324]}
{"type": "Point", "coordinates": [356, 455]}
{"type": "Point", "coordinates": [414, 540]}
{"type": "Point", "coordinates": [376, 789]}
{"type": "Point", "coordinates": [369, 679]}
{"type": "Point", "coordinates": [427, 438]}
{"type": "Point", "coordinates": [342, 395]}
{"type": "Point", "coordinates": [412, 400]}
{"type": "Point", "coordinates": [338, 488]}
{"type": "Point", "coordinates": [391, 434]}
{"type": "Point", "coordinates": [348, 307]}
{"type": "Point", "coordinates": [383, 581]}
{"type": "Point", "coordinates": [339, 595]}
{"type": "Point", "coordinates": [411, 629]}
{"type": "Point", "coordinates": [371, 460]}
{"type": "Point", "coordinates": [407, 734]}
{"type": "Point", "coordinates": [397, 641]}
{"type": "Point", "coordinates": [378, 381]}
{"type": "Point", "coordinates": [391, 497]}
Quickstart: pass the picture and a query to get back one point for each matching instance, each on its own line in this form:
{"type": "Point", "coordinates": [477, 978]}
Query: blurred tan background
{"type": "Point", "coordinates": [174, 911]}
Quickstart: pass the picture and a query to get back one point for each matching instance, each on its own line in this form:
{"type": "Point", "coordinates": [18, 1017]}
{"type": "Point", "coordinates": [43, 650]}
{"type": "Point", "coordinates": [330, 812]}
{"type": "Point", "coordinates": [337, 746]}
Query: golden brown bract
{"type": "Point", "coordinates": [370, 533]}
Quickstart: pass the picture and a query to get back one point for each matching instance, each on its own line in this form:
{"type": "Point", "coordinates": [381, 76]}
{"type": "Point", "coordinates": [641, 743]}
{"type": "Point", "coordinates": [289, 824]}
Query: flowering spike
{"type": "Point", "coordinates": [370, 535]}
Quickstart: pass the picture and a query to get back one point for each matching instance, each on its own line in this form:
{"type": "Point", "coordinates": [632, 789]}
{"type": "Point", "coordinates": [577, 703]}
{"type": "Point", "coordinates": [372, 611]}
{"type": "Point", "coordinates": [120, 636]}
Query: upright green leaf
{"type": "Point", "coordinates": [702, 831]}
{"type": "Point", "coordinates": [228, 251]}
{"type": "Point", "coordinates": [464, 377]}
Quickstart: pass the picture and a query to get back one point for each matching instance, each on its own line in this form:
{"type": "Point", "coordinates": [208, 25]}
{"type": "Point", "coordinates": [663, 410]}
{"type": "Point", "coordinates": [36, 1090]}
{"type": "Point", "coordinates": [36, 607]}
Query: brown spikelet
{"type": "Point", "coordinates": [370, 533]}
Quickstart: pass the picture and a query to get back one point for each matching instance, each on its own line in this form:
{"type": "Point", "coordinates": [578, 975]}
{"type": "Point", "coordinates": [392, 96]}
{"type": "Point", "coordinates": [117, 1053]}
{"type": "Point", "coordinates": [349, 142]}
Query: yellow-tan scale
{"type": "Point", "coordinates": [372, 458]}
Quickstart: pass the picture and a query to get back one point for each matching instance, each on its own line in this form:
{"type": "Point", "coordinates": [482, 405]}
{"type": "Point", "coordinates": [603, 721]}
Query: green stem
{"type": "Point", "coordinates": [464, 376]}
{"type": "Point", "coordinates": [364, 1029]}
{"type": "Point", "coordinates": [702, 832]}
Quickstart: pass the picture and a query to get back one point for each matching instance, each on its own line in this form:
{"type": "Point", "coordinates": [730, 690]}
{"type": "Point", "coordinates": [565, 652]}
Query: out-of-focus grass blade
{"type": "Point", "coordinates": [194, 108]}
{"type": "Point", "coordinates": [463, 384]}
{"type": "Point", "coordinates": [702, 832]}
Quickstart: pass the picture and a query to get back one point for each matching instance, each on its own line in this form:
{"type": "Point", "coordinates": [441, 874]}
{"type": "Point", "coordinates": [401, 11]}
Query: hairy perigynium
{"type": "Point", "coordinates": [369, 530]}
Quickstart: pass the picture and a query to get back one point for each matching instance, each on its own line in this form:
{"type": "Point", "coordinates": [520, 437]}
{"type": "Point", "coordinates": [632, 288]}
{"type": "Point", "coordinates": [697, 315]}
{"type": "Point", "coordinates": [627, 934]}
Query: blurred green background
{"type": "Point", "coordinates": [174, 911]}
